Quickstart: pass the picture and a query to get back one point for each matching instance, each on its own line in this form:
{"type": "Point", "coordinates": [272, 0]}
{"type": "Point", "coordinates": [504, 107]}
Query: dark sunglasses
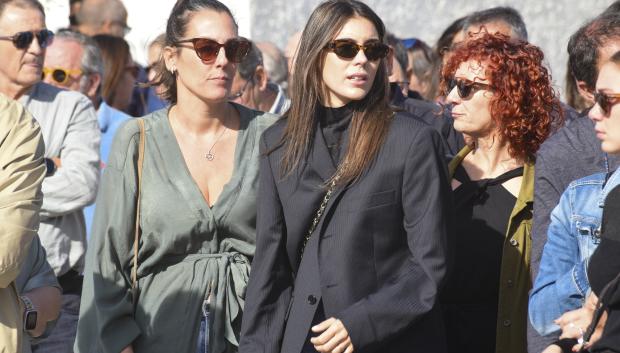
{"type": "Point", "coordinates": [22, 40]}
{"type": "Point", "coordinates": [59, 75]}
{"type": "Point", "coordinates": [466, 88]}
{"type": "Point", "coordinates": [348, 49]}
{"type": "Point", "coordinates": [207, 49]}
{"type": "Point", "coordinates": [606, 101]}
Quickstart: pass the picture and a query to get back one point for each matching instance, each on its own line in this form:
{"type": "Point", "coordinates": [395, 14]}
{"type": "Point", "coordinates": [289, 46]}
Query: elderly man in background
{"type": "Point", "coordinates": [74, 62]}
{"type": "Point", "coordinates": [69, 128]}
{"type": "Point", "coordinates": [275, 63]}
{"type": "Point", "coordinates": [252, 89]}
{"type": "Point", "coordinates": [21, 173]}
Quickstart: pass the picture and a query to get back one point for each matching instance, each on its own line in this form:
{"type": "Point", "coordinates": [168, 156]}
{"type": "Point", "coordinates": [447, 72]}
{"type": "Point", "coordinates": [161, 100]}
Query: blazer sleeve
{"type": "Point", "coordinates": [270, 286]}
{"type": "Point", "coordinates": [426, 199]}
{"type": "Point", "coordinates": [106, 310]}
{"type": "Point", "coordinates": [21, 174]}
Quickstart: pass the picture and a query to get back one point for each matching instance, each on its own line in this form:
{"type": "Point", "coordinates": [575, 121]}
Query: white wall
{"type": "Point", "coordinates": [147, 19]}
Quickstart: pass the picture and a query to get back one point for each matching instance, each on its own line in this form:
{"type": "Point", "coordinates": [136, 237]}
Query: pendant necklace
{"type": "Point", "coordinates": [210, 156]}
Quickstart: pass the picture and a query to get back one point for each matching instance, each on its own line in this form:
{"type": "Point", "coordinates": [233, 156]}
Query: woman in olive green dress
{"type": "Point", "coordinates": [198, 204]}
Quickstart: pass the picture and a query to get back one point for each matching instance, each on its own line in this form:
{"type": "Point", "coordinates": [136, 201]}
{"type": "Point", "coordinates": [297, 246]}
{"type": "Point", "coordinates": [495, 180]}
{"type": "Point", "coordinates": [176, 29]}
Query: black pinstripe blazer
{"type": "Point", "coordinates": [381, 253]}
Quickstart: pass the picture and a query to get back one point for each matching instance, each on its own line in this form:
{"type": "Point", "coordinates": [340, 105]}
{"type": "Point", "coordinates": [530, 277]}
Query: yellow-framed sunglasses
{"type": "Point", "coordinates": [59, 74]}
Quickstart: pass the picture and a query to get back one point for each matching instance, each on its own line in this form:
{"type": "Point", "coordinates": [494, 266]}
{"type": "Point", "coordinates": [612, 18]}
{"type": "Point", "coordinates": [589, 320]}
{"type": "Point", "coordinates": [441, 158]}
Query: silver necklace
{"type": "Point", "coordinates": [210, 156]}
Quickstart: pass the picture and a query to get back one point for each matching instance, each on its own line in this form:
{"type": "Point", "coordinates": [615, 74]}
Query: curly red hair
{"type": "Point", "coordinates": [524, 105]}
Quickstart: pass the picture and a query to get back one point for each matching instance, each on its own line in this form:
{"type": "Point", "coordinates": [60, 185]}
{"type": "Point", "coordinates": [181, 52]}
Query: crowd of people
{"type": "Point", "coordinates": [356, 192]}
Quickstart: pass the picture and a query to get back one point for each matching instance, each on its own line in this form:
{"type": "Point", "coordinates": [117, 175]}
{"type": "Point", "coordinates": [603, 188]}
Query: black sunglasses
{"type": "Point", "coordinates": [348, 49]}
{"type": "Point", "coordinates": [606, 101]}
{"type": "Point", "coordinates": [207, 49]}
{"type": "Point", "coordinates": [22, 40]}
{"type": "Point", "coordinates": [466, 88]}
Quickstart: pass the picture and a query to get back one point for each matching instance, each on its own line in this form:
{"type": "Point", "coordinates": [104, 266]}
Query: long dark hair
{"type": "Point", "coordinates": [115, 54]}
{"type": "Point", "coordinates": [175, 30]}
{"type": "Point", "coordinates": [371, 115]}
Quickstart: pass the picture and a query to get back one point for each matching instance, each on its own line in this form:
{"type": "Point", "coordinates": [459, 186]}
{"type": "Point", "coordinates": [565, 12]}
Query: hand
{"type": "Point", "coordinates": [575, 323]}
{"type": "Point", "coordinates": [553, 349]}
{"type": "Point", "coordinates": [596, 335]}
{"type": "Point", "coordinates": [128, 349]}
{"type": "Point", "coordinates": [333, 339]}
{"type": "Point", "coordinates": [57, 162]}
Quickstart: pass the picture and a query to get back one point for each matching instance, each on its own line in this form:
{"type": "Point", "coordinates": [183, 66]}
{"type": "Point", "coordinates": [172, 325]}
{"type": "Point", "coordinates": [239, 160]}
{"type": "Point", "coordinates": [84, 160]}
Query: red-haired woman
{"type": "Point", "coordinates": [503, 101]}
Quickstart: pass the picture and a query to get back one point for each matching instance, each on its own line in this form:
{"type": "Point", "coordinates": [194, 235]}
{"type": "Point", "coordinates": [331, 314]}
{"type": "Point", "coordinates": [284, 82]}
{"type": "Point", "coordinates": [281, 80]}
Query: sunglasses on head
{"type": "Point", "coordinates": [59, 75]}
{"type": "Point", "coordinates": [207, 49]}
{"type": "Point", "coordinates": [606, 101]}
{"type": "Point", "coordinates": [22, 40]}
{"type": "Point", "coordinates": [466, 88]}
{"type": "Point", "coordinates": [348, 49]}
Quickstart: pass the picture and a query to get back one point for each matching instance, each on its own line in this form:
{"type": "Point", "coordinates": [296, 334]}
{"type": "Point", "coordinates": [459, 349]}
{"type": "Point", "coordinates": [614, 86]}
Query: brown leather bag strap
{"type": "Point", "coordinates": [134, 269]}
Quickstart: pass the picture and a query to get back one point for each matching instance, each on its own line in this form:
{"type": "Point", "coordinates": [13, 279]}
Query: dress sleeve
{"type": "Point", "coordinates": [74, 185]}
{"type": "Point", "coordinates": [426, 198]}
{"type": "Point", "coordinates": [270, 285]}
{"type": "Point", "coordinates": [106, 309]}
{"type": "Point", "coordinates": [21, 173]}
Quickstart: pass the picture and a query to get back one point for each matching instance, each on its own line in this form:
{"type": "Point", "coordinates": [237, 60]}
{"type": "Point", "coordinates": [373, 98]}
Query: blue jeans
{"type": "Point", "coordinates": [203, 335]}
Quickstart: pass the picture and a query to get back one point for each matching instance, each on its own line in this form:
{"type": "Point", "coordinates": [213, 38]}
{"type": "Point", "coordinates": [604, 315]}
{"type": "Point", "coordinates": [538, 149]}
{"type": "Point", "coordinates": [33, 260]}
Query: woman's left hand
{"type": "Point", "coordinates": [333, 339]}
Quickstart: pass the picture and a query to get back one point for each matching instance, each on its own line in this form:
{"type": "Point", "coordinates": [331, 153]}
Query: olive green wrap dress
{"type": "Point", "coordinates": [186, 247]}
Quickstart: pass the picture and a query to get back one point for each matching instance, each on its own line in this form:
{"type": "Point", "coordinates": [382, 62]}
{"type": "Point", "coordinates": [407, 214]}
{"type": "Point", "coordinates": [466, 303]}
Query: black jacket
{"type": "Point", "coordinates": [380, 248]}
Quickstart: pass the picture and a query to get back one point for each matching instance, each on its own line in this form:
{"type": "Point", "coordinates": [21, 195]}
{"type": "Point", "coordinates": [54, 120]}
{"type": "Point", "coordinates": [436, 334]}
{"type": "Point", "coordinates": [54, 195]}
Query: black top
{"type": "Point", "coordinates": [334, 122]}
{"type": "Point", "coordinates": [470, 300]}
{"type": "Point", "coordinates": [604, 272]}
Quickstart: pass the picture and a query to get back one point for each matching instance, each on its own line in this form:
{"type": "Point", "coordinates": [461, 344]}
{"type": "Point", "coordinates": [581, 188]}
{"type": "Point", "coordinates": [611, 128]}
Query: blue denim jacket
{"type": "Point", "coordinates": [573, 235]}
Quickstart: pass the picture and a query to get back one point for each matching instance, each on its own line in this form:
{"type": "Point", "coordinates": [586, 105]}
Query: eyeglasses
{"type": "Point", "coordinates": [207, 49]}
{"type": "Point", "coordinates": [466, 88]}
{"type": "Point", "coordinates": [348, 49]}
{"type": "Point", "coordinates": [238, 95]}
{"type": "Point", "coordinates": [606, 101]}
{"type": "Point", "coordinates": [22, 40]}
{"type": "Point", "coordinates": [59, 74]}
{"type": "Point", "coordinates": [134, 71]}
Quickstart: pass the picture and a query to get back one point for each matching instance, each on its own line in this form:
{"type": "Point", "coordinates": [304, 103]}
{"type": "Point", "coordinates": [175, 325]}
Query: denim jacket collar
{"type": "Point", "coordinates": [609, 185]}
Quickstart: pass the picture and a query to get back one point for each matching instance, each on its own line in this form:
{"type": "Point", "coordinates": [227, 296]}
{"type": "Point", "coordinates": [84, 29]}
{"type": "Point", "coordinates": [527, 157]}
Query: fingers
{"type": "Point", "coordinates": [572, 330]}
{"type": "Point", "coordinates": [342, 346]}
{"type": "Point", "coordinates": [334, 339]}
{"type": "Point", "coordinates": [323, 325]}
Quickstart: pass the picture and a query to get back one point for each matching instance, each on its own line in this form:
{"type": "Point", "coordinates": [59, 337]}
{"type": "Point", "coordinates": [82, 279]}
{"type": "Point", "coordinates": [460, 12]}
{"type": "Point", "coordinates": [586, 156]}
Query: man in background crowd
{"type": "Point", "coordinates": [74, 62]}
{"type": "Point", "coordinates": [252, 88]}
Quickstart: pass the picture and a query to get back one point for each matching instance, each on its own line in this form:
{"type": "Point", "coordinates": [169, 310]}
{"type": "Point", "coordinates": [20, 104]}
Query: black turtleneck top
{"type": "Point", "coordinates": [334, 122]}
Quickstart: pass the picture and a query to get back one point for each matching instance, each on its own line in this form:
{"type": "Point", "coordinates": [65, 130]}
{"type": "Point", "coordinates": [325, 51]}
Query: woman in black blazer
{"type": "Point", "coordinates": [374, 184]}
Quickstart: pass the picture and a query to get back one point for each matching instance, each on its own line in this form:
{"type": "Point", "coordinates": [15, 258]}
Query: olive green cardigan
{"type": "Point", "coordinates": [515, 279]}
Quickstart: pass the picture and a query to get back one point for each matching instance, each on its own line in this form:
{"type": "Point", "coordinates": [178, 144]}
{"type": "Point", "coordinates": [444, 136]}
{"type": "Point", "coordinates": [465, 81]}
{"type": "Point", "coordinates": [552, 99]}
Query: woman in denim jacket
{"type": "Point", "coordinates": [573, 235]}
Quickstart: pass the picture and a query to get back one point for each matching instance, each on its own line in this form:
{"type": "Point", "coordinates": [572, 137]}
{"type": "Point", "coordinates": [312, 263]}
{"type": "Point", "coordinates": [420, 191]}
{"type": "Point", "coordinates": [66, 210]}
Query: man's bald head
{"type": "Point", "coordinates": [102, 17]}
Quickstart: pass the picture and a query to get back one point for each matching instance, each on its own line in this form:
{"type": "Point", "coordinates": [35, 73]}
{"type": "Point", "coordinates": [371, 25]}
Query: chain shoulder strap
{"type": "Point", "coordinates": [319, 214]}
